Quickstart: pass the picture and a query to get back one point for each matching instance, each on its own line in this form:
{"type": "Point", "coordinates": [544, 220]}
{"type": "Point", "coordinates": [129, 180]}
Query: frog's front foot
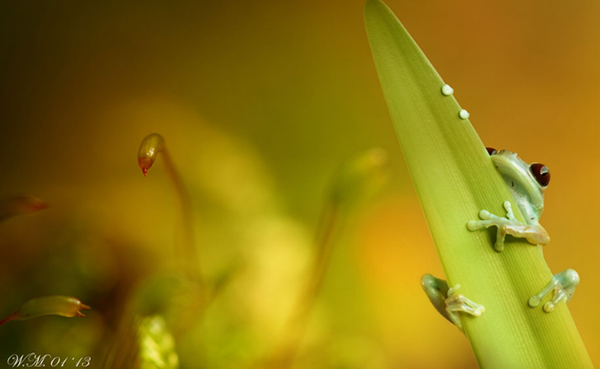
{"type": "Point", "coordinates": [491, 220]}
{"type": "Point", "coordinates": [534, 233]}
{"type": "Point", "coordinates": [563, 284]}
{"type": "Point", "coordinates": [447, 302]}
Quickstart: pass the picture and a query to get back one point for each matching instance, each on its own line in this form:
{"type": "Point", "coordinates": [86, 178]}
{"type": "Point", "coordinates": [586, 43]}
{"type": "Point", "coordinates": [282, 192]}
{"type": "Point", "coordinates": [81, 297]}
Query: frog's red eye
{"type": "Point", "coordinates": [491, 150]}
{"type": "Point", "coordinates": [541, 173]}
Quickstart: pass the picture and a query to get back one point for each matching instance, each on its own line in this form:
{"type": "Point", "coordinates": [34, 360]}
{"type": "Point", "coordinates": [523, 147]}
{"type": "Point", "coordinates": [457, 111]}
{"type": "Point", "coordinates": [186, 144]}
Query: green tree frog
{"type": "Point", "coordinates": [527, 183]}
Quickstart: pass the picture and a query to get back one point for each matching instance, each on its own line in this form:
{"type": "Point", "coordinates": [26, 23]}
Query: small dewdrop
{"type": "Point", "coordinates": [447, 90]}
{"type": "Point", "coordinates": [463, 114]}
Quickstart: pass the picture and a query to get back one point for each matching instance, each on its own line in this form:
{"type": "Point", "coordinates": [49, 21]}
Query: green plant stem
{"type": "Point", "coordinates": [455, 179]}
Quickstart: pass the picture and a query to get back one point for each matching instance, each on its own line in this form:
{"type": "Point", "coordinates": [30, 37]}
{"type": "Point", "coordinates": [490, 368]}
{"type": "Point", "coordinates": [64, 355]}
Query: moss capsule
{"type": "Point", "coordinates": [22, 204]}
{"type": "Point", "coordinates": [149, 149]}
{"type": "Point", "coordinates": [66, 306]}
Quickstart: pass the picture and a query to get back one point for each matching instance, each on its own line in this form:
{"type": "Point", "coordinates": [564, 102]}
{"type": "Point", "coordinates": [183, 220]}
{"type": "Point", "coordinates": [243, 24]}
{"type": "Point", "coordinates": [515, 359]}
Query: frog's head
{"type": "Point", "coordinates": [524, 180]}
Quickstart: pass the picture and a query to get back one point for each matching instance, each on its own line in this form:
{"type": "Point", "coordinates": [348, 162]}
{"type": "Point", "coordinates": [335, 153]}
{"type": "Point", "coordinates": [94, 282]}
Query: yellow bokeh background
{"type": "Point", "coordinates": [259, 103]}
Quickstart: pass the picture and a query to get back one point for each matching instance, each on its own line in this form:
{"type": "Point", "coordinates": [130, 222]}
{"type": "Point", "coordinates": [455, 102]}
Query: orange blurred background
{"type": "Point", "coordinates": [259, 103]}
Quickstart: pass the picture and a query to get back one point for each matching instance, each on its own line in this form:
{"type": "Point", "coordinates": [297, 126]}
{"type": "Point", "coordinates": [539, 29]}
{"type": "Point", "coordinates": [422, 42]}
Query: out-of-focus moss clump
{"type": "Point", "coordinates": [156, 344]}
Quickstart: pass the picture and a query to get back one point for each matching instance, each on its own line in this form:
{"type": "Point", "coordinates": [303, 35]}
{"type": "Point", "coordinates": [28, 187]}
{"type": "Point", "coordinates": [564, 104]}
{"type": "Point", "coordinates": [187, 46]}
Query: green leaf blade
{"type": "Point", "coordinates": [454, 179]}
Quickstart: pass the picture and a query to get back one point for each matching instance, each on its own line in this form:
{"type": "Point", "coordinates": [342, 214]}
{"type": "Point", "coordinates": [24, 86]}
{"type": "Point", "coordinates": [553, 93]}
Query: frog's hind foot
{"type": "Point", "coordinates": [458, 303]}
{"type": "Point", "coordinates": [447, 302]}
{"type": "Point", "coordinates": [563, 284]}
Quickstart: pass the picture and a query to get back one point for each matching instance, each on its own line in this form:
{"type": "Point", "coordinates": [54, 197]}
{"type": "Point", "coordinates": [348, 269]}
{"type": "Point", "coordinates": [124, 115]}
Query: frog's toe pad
{"type": "Point", "coordinates": [548, 307]}
{"type": "Point", "coordinates": [534, 301]}
{"type": "Point", "coordinates": [484, 214]}
{"type": "Point", "coordinates": [473, 225]}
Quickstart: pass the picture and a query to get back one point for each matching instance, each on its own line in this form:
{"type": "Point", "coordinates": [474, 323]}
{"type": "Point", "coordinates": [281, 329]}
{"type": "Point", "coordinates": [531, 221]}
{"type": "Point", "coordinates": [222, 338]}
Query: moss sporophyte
{"type": "Point", "coordinates": [151, 146]}
{"type": "Point", "coordinates": [66, 306]}
{"type": "Point", "coordinates": [507, 276]}
{"type": "Point", "coordinates": [356, 180]}
{"type": "Point", "coordinates": [18, 205]}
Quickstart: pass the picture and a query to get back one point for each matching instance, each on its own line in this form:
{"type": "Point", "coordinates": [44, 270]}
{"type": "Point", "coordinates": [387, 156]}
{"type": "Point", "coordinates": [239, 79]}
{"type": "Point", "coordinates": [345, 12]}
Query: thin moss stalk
{"type": "Point", "coordinates": [356, 180]}
{"type": "Point", "coordinates": [287, 350]}
{"type": "Point", "coordinates": [150, 147]}
{"type": "Point", "coordinates": [455, 179]}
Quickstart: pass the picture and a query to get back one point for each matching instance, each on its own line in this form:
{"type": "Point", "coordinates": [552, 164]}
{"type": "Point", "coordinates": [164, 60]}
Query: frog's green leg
{"type": "Point", "coordinates": [534, 233]}
{"type": "Point", "coordinates": [437, 291]}
{"type": "Point", "coordinates": [447, 302]}
{"type": "Point", "coordinates": [563, 284]}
